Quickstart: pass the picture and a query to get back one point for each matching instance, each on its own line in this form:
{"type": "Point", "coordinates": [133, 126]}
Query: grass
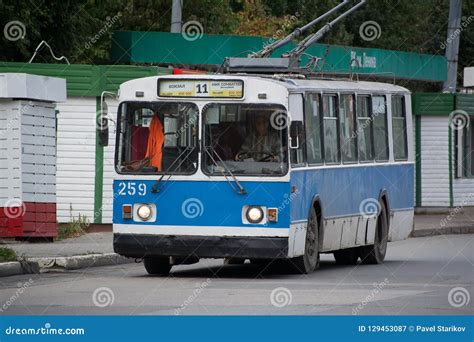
{"type": "Point", "coordinates": [76, 227]}
{"type": "Point", "coordinates": [7, 254]}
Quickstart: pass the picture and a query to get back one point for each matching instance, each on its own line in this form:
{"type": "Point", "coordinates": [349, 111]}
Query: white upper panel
{"type": "Point", "coordinates": [273, 87]}
{"type": "Point", "coordinates": [32, 87]}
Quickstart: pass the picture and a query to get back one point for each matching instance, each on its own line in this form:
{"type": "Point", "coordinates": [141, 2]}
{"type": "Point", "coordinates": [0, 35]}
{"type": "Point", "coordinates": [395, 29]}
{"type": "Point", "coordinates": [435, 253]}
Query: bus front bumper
{"type": "Point", "coordinates": [141, 245]}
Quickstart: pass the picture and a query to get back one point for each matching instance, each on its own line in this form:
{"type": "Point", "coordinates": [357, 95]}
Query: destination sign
{"type": "Point", "coordinates": [201, 88]}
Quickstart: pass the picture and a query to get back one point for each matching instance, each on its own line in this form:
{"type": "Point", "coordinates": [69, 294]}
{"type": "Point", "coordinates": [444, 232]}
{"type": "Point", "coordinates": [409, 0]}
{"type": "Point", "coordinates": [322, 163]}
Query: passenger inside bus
{"type": "Point", "coordinates": [156, 138]}
{"type": "Point", "coordinates": [262, 142]}
{"type": "Point", "coordinates": [241, 138]}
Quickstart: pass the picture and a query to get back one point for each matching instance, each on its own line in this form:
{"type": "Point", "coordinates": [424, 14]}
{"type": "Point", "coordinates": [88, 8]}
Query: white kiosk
{"type": "Point", "coordinates": [28, 154]}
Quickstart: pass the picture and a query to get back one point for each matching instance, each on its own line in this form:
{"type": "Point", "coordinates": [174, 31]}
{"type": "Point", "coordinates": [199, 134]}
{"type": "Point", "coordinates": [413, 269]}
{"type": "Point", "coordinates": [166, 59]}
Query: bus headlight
{"type": "Point", "coordinates": [254, 214]}
{"type": "Point", "coordinates": [144, 212]}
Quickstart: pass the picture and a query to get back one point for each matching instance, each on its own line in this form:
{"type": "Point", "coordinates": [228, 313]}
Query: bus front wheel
{"type": "Point", "coordinates": [157, 265]}
{"type": "Point", "coordinates": [308, 262]}
{"type": "Point", "coordinates": [375, 254]}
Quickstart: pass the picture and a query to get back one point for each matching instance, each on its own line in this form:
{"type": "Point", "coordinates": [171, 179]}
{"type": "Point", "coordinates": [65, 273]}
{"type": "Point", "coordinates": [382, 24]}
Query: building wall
{"type": "Point", "coordinates": [76, 141]}
{"type": "Point", "coordinates": [38, 157]}
{"type": "Point", "coordinates": [10, 181]}
{"type": "Point", "coordinates": [434, 161]}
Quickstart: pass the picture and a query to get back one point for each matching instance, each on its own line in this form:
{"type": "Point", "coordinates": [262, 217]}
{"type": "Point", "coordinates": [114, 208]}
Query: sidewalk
{"type": "Point", "coordinates": [89, 250]}
{"type": "Point", "coordinates": [91, 243]}
{"type": "Point", "coordinates": [455, 221]}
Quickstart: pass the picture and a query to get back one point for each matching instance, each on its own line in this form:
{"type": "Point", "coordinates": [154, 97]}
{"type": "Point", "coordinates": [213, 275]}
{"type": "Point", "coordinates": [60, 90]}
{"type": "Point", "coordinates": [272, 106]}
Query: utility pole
{"type": "Point", "coordinates": [452, 45]}
{"type": "Point", "coordinates": [176, 16]}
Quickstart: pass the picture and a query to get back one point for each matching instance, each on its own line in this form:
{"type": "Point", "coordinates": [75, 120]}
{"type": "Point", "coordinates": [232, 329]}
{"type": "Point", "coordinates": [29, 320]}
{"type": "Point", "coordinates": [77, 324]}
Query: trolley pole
{"type": "Point", "coordinates": [452, 45]}
{"type": "Point", "coordinates": [176, 16]}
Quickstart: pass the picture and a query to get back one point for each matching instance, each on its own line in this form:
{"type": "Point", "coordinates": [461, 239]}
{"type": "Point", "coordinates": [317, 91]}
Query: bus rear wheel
{"type": "Point", "coordinates": [375, 254]}
{"type": "Point", "coordinates": [157, 265]}
{"type": "Point", "coordinates": [308, 262]}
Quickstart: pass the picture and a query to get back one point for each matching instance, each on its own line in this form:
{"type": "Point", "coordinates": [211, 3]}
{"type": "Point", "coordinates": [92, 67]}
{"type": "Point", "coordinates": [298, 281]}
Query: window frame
{"type": "Point", "coordinates": [320, 118]}
{"type": "Point", "coordinates": [404, 113]}
{"type": "Point", "coordinates": [369, 97]}
{"type": "Point", "coordinates": [356, 161]}
{"type": "Point", "coordinates": [119, 127]}
{"type": "Point", "coordinates": [304, 163]}
{"type": "Point", "coordinates": [201, 142]}
{"type": "Point", "coordinates": [338, 140]}
{"type": "Point", "coordinates": [384, 95]}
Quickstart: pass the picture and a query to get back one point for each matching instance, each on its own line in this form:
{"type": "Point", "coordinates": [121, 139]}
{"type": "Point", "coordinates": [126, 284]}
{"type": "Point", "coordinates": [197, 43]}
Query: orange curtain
{"type": "Point", "coordinates": [156, 138]}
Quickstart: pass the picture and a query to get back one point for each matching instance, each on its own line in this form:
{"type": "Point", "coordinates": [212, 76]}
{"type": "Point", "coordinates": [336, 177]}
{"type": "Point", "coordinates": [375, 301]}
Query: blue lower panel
{"type": "Point", "coordinates": [343, 189]}
{"type": "Point", "coordinates": [201, 203]}
{"type": "Point", "coordinates": [238, 328]}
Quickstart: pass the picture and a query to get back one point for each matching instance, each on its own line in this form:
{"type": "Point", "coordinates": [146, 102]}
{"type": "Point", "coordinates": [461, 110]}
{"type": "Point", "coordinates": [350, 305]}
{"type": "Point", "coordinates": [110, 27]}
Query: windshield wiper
{"type": "Point", "coordinates": [188, 149]}
{"type": "Point", "coordinates": [241, 190]}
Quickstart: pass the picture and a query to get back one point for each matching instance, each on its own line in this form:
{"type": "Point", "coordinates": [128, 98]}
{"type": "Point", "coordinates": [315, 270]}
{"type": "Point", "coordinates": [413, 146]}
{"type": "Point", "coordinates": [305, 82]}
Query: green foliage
{"type": "Point", "coordinates": [7, 254]}
{"type": "Point", "coordinates": [82, 30]}
{"type": "Point", "coordinates": [76, 227]}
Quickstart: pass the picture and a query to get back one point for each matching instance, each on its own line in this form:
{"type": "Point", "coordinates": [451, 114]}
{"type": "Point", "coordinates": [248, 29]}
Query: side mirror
{"type": "Point", "coordinates": [103, 124]}
{"type": "Point", "coordinates": [296, 132]}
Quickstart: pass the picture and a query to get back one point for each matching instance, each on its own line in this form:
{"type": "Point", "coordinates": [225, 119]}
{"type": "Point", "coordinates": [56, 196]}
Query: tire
{"type": "Point", "coordinates": [347, 256]}
{"type": "Point", "coordinates": [375, 254]}
{"type": "Point", "coordinates": [157, 265]}
{"type": "Point", "coordinates": [309, 262]}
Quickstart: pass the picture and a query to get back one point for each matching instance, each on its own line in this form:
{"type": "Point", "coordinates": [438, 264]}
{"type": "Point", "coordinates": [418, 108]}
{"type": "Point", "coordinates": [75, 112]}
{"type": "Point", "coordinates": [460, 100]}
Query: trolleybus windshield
{"type": "Point", "coordinates": [247, 139]}
{"type": "Point", "coordinates": [157, 137]}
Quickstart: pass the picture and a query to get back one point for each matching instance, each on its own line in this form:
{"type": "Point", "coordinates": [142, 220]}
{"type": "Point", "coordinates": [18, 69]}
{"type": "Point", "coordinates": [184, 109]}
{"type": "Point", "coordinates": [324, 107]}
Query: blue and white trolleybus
{"type": "Point", "coordinates": [262, 168]}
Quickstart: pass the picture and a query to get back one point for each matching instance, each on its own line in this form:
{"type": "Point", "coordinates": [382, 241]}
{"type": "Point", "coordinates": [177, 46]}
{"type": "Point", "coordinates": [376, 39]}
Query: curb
{"type": "Point", "coordinates": [10, 268]}
{"type": "Point", "coordinates": [443, 231]}
{"type": "Point", "coordinates": [54, 264]}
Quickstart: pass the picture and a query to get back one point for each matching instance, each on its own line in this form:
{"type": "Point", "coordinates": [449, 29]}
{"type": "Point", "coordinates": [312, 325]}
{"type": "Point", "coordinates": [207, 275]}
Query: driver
{"type": "Point", "coordinates": [262, 144]}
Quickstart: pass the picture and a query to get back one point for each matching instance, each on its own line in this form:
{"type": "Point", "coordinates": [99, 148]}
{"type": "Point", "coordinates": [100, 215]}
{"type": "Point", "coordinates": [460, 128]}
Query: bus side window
{"type": "Point", "coordinates": [364, 129]}
{"type": "Point", "coordinates": [297, 155]}
{"type": "Point", "coordinates": [331, 132]}
{"type": "Point", "coordinates": [348, 131]}
{"type": "Point", "coordinates": [379, 115]}
{"type": "Point", "coordinates": [313, 129]}
{"type": "Point", "coordinates": [399, 130]}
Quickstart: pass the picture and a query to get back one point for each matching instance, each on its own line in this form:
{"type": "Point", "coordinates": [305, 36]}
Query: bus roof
{"type": "Point", "coordinates": [291, 84]}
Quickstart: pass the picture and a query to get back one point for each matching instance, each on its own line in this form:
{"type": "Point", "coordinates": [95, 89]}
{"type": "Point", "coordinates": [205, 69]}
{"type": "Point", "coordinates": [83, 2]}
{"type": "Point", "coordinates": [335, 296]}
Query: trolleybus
{"type": "Point", "coordinates": [261, 168]}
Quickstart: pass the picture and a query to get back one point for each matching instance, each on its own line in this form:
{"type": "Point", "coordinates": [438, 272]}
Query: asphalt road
{"type": "Point", "coordinates": [416, 279]}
